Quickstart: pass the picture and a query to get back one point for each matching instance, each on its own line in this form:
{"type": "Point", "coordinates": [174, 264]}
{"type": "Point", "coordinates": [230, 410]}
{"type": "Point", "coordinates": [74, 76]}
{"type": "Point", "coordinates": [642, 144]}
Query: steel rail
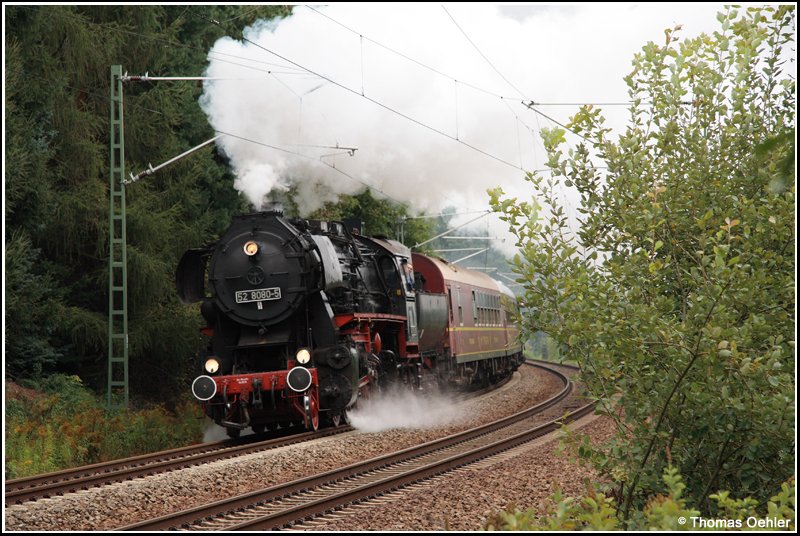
{"type": "Point", "coordinates": [393, 482]}
{"type": "Point", "coordinates": [60, 482]}
{"type": "Point", "coordinates": [56, 483]}
{"type": "Point", "coordinates": [331, 478]}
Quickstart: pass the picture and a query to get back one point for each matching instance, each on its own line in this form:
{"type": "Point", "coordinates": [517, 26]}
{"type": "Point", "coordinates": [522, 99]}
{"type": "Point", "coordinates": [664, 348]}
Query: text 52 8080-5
{"type": "Point", "coordinates": [257, 295]}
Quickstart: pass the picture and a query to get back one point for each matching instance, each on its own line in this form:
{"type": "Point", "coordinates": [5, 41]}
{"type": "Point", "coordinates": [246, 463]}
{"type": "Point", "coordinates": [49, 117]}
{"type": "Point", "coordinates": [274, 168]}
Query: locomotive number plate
{"type": "Point", "coordinates": [261, 294]}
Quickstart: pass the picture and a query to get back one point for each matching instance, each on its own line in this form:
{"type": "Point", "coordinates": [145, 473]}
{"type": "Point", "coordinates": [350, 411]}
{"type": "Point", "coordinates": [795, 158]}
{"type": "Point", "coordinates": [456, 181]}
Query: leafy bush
{"type": "Point", "coordinates": [669, 512]}
{"type": "Point", "coordinates": [68, 426]}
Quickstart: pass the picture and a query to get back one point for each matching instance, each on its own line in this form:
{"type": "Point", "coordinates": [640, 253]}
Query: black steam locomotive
{"type": "Point", "coordinates": [304, 317]}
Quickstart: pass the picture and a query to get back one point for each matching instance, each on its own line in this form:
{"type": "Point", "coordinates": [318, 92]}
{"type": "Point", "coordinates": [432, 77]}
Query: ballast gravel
{"type": "Point", "coordinates": [525, 482]}
{"type": "Point", "coordinates": [463, 500]}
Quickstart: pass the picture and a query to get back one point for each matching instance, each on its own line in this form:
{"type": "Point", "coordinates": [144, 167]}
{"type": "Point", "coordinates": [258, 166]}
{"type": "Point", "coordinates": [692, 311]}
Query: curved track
{"type": "Point", "coordinates": [283, 505]}
{"type": "Point", "coordinates": [80, 478]}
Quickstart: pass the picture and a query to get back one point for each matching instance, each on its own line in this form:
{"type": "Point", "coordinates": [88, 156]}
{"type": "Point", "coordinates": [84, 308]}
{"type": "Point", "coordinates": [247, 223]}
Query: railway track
{"type": "Point", "coordinates": [80, 478]}
{"type": "Point", "coordinates": [69, 480]}
{"type": "Point", "coordinates": [302, 499]}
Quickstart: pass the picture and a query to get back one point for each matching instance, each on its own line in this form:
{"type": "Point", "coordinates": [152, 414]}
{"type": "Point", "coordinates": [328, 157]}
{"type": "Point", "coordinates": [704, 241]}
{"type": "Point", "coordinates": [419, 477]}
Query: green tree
{"type": "Point", "coordinates": [675, 293]}
{"type": "Point", "coordinates": [379, 216]}
{"type": "Point", "coordinates": [56, 183]}
{"type": "Point", "coordinates": [30, 300]}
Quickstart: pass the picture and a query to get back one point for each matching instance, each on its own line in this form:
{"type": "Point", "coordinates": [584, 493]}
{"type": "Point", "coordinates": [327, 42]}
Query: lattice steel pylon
{"type": "Point", "coordinates": [118, 391]}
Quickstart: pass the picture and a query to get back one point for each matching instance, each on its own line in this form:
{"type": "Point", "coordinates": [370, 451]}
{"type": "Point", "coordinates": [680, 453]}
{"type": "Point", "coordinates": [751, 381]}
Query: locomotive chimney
{"type": "Point", "coordinates": [274, 206]}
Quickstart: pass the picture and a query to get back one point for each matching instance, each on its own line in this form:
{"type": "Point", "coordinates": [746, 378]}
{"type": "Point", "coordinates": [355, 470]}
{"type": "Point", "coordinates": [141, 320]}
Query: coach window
{"type": "Point", "coordinates": [460, 310]}
{"type": "Point", "coordinates": [474, 309]}
{"type": "Point", "coordinates": [450, 301]}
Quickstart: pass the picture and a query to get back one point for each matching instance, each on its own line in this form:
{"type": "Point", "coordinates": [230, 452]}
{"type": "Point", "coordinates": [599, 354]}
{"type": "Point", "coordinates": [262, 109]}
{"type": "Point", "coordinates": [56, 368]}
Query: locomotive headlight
{"type": "Point", "coordinates": [303, 356]}
{"type": "Point", "coordinates": [211, 365]}
{"type": "Point", "coordinates": [250, 248]}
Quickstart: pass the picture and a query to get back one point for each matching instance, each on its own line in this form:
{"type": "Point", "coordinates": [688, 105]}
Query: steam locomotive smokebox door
{"type": "Point", "coordinates": [261, 270]}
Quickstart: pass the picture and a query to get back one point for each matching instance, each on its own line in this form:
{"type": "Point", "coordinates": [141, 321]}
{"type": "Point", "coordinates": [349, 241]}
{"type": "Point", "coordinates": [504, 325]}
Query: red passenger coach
{"type": "Point", "coordinates": [480, 342]}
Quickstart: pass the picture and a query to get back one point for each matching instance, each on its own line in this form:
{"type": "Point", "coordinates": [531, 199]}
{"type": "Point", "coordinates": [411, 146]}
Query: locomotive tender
{"type": "Point", "coordinates": [304, 317]}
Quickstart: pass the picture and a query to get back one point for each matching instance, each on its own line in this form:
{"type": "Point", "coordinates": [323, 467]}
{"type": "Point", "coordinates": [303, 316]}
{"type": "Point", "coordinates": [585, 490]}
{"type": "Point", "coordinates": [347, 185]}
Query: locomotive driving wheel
{"type": "Point", "coordinates": [311, 406]}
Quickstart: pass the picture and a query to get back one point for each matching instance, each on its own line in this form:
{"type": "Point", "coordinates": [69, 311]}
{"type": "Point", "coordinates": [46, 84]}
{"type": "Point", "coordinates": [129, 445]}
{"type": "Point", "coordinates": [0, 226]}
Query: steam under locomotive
{"type": "Point", "coordinates": [304, 317]}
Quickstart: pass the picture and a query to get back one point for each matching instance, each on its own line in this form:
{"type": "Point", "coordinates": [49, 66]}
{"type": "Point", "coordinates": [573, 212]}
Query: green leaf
{"type": "Point", "coordinates": [773, 381]}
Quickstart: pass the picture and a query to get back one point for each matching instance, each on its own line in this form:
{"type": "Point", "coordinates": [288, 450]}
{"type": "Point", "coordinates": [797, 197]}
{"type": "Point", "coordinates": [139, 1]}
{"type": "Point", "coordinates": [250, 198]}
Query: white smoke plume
{"type": "Point", "coordinates": [553, 54]}
{"type": "Point", "coordinates": [213, 432]}
{"type": "Point", "coordinates": [299, 112]}
{"type": "Point", "coordinates": [404, 409]}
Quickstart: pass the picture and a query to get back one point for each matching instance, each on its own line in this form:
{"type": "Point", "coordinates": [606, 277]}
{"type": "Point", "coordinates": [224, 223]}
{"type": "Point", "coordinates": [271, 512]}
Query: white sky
{"type": "Point", "coordinates": [552, 54]}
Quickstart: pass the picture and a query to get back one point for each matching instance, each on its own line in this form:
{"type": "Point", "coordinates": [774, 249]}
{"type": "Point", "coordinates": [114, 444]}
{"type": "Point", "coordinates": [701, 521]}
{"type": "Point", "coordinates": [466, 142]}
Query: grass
{"type": "Point", "coordinates": [66, 425]}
